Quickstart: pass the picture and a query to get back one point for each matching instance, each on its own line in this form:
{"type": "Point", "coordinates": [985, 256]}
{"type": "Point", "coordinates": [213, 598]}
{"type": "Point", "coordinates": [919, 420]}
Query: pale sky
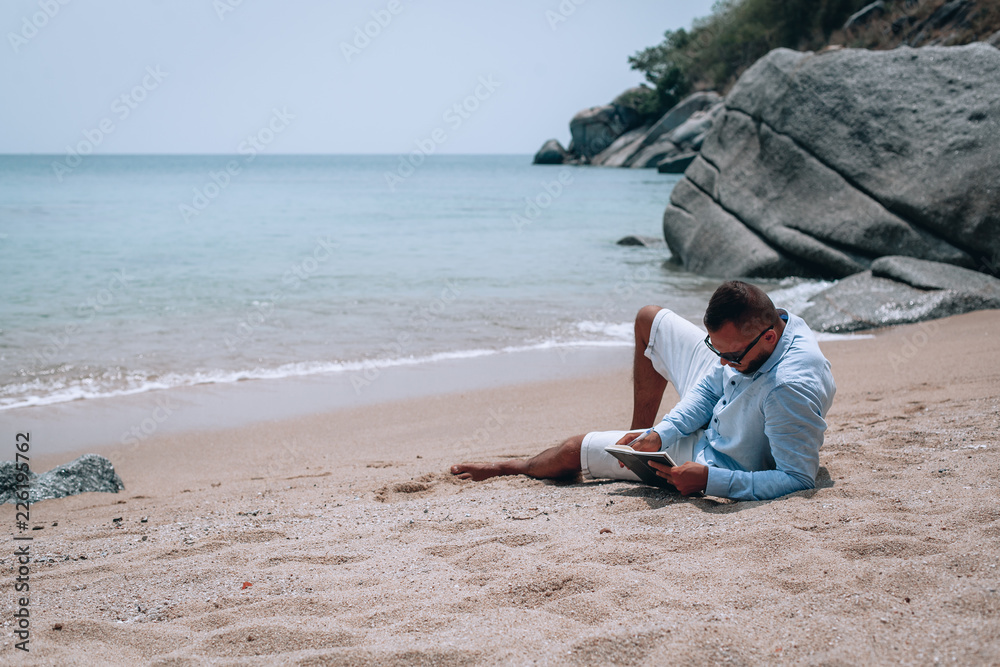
{"type": "Point", "coordinates": [199, 76]}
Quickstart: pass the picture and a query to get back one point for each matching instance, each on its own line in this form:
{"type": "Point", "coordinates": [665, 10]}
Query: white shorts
{"type": "Point", "coordinates": [678, 352]}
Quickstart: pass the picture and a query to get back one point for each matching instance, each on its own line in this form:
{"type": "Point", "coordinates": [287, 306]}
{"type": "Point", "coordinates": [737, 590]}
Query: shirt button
{"type": "Point", "coordinates": [732, 382]}
{"type": "Point", "coordinates": [716, 420]}
{"type": "Point", "coordinates": [723, 402]}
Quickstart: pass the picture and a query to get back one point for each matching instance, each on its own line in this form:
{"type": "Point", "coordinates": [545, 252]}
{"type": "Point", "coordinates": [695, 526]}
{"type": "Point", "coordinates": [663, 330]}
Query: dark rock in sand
{"type": "Point", "coordinates": [828, 161]}
{"type": "Point", "coordinates": [551, 152]}
{"type": "Point", "coordinates": [900, 290]}
{"type": "Point", "coordinates": [89, 473]}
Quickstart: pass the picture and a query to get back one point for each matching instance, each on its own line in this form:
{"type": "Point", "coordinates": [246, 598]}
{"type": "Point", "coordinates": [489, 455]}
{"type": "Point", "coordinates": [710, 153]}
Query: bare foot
{"type": "Point", "coordinates": [477, 472]}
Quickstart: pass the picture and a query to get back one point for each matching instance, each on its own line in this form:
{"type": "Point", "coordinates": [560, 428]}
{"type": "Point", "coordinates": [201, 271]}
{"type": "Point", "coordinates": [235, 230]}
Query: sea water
{"type": "Point", "coordinates": [126, 274]}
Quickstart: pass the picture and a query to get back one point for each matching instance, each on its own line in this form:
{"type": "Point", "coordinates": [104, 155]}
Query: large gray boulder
{"type": "Point", "coordinates": [712, 242]}
{"type": "Point", "coordinates": [673, 149]}
{"type": "Point", "coordinates": [900, 290]}
{"type": "Point", "coordinates": [621, 149]}
{"type": "Point", "coordinates": [657, 142]}
{"type": "Point", "coordinates": [653, 153]}
{"type": "Point", "coordinates": [832, 160]}
{"type": "Point", "coordinates": [595, 129]}
{"type": "Point", "coordinates": [86, 474]}
{"type": "Point", "coordinates": [647, 145]}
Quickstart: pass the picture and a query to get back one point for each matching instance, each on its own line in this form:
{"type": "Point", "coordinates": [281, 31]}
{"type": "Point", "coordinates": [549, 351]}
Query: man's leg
{"type": "Point", "coordinates": [647, 384]}
{"type": "Point", "coordinates": [553, 463]}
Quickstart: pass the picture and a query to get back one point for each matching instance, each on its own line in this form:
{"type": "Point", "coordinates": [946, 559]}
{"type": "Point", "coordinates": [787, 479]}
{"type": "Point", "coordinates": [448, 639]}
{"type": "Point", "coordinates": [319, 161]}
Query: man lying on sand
{"type": "Point", "coordinates": [750, 422]}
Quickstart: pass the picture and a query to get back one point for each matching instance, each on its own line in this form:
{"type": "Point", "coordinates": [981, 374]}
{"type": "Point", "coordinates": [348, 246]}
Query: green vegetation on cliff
{"type": "Point", "coordinates": [720, 47]}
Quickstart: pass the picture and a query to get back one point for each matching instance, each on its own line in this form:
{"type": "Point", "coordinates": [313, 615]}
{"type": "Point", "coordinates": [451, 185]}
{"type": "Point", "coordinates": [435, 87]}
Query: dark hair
{"type": "Point", "coordinates": [745, 305]}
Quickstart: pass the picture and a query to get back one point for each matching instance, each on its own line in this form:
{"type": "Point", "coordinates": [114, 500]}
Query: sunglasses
{"type": "Point", "coordinates": [732, 357]}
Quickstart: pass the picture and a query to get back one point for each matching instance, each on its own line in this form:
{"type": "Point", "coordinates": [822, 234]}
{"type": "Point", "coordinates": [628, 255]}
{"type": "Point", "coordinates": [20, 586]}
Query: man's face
{"type": "Point", "coordinates": [730, 339]}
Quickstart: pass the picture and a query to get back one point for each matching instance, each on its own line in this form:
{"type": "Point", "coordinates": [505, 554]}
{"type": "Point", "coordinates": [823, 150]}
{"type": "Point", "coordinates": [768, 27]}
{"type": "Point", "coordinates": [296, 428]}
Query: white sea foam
{"type": "Point", "coordinates": [822, 335]}
{"type": "Point", "coordinates": [796, 295]}
{"type": "Point", "coordinates": [613, 330]}
{"type": "Point", "coordinates": [38, 392]}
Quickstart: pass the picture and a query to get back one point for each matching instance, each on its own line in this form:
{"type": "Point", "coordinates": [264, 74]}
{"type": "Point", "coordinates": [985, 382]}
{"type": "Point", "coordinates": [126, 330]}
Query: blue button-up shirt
{"type": "Point", "coordinates": [764, 430]}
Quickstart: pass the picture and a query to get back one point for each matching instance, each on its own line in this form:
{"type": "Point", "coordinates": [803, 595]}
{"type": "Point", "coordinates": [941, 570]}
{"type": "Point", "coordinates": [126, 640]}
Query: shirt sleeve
{"type": "Point", "coordinates": [693, 411]}
{"type": "Point", "coordinates": [794, 426]}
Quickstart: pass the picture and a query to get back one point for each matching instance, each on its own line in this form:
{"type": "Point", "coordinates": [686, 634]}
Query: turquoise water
{"type": "Point", "coordinates": [136, 273]}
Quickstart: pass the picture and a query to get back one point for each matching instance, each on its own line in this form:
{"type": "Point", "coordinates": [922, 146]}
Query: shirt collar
{"type": "Point", "coordinates": [781, 348]}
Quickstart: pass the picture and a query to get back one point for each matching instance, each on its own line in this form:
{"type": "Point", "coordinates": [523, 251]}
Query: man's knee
{"type": "Point", "coordinates": [644, 322]}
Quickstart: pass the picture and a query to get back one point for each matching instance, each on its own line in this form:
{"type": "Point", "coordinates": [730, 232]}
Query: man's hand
{"type": "Point", "coordinates": [689, 477]}
{"type": "Point", "coordinates": [651, 443]}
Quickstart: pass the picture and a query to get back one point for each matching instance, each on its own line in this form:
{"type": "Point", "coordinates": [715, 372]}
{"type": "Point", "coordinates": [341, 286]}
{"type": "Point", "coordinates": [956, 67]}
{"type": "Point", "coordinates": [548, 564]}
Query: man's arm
{"type": "Point", "coordinates": [693, 411]}
{"type": "Point", "coordinates": [794, 426]}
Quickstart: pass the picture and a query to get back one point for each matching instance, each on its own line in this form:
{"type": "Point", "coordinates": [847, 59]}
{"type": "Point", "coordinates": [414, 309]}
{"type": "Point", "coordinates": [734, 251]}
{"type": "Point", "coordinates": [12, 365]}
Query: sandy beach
{"type": "Point", "coordinates": [340, 538]}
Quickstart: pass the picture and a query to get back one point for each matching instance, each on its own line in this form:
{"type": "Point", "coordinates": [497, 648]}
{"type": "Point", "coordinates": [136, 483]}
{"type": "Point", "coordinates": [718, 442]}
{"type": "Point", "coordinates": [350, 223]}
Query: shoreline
{"type": "Point", "coordinates": [139, 419]}
{"type": "Point", "coordinates": [76, 427]}
{"type": "Point", "coordinates": [341, 538]}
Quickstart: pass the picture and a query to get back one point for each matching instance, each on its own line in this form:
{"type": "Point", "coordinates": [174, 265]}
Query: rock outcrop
{"type": "Point", "coordinates": [552, 152]}
{"type": "Point", "coordinates": [668, 137]}
{"type": "Point", "coordinates": [900, 290]}
{"type": "Point", "coordinates": [615, 135]}
{"type": "Point", "coordinates": [89, 473]}
{"type": "Point", "coordinates": [596, 128]}
{"type": "Point", "coordinates": [821, 163]}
